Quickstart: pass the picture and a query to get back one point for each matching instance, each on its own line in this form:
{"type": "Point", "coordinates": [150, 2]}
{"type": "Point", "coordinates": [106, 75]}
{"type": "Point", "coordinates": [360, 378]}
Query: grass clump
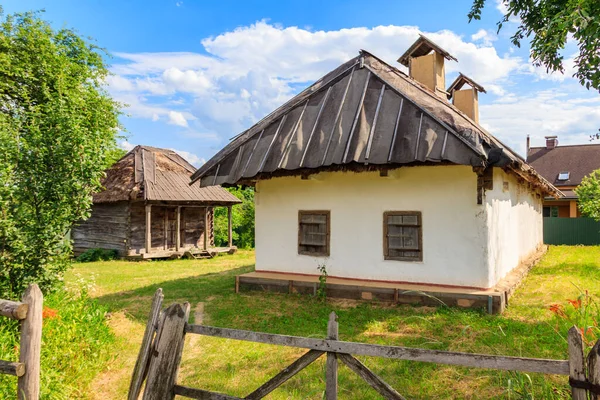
{"type": "Point", "coordinates": [92, 255]}
{"type": "Point", "coordinates": [75, 345]}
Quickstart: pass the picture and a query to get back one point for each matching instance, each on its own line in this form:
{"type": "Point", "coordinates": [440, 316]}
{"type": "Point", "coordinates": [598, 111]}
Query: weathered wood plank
{"type": "Point", "coordinates": [31, 340]}
{"type": "Point", "coordinates": [557, 367]}
{"type": "Point", "coordinates": [331, 371]}
{"type": "Point", "coordinates": [12, 368]}
{"type": "Point", "coordinates": [141, 364]}
{"type": "Point", "coordinates": [148, 231]}
{"type": "Point", "coordinates": [13, 309]}
{"type": "Point", "coordinates": [576, 362]}
{"type": "Point", "coordinates": [372, 379]}
{"type": "Point", "coordinates": [200, 394]}
{"type": "Point", "coordinates": [593, 363]}
{"type": "Point", "coordinates": [285, 374]}
{"type": "Point", "coordinates": [164, 358]}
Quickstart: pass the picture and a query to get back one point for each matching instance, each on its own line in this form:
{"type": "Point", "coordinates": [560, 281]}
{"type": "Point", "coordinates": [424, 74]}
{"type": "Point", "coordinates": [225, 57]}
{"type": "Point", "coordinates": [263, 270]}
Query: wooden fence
{"type": "Point", "coordinates": [27, 370]}
{"type": "Point", "coordinates": [162, 345]}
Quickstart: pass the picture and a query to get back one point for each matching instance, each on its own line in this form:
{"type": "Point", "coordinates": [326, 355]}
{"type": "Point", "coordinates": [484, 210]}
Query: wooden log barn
{"type": "Point", "coordinates": [148, 209]}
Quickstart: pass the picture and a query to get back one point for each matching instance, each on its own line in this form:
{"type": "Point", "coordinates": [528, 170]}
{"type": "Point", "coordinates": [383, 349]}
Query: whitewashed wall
{"type": "Point", "coordinates": [458, 247]}
{"type": "Point", "coordinates": [514, 218]}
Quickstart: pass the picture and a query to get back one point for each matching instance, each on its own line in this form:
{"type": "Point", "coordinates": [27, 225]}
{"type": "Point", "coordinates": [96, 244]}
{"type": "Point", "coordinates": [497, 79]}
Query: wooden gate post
{"type": "Point", "coordinates": [593, 363]}
{"type": "Point", "coordinates": [31, 342]}
{"type": "Point", "coordinates": [576, 363]}
{"type": "Point", "coordinates": [331, 373]}
{"type": "Point", "coordinates": [166, 354]}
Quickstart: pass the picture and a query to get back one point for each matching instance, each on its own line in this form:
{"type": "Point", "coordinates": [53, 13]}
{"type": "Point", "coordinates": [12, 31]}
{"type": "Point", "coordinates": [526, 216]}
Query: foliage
{"type": "Point", "coordinates": [75, 343]}
{"type": "Point", "coordinates": [92, 255]}
{"type": "Point", "coordinates": [57, 127]}
{"type": "Point", "coordinates": [550, 23]}
{"type": "Point", "coordinates": [589, 195]}
{"type": "Point", "coordinates": [242, 220]}
{"type": "Point", "coordinates": [322, 289]}
{"type": "Point", "coordinates": [582, 312]}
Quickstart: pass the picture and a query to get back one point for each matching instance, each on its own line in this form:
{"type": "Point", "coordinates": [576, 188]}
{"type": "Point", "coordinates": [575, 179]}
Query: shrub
{"type": "Point", "coordinates": [582, 312]}
{"type": "Point", "coordinates": [92, 255]}
{"type": "Point", "coordinates": [242, 220]}
{"type": "Point", "coordinates": [75, 343]}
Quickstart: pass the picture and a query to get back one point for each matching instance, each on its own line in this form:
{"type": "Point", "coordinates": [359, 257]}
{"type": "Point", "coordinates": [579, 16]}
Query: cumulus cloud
{"type": "Point", "coordinates": [177, 118]}
{"type": "Point", "coordinates": [125, 145]}
{"type": "Point", "coordinates": [190, 157]}
{"type": "Point", "coordinates": [484, 36]}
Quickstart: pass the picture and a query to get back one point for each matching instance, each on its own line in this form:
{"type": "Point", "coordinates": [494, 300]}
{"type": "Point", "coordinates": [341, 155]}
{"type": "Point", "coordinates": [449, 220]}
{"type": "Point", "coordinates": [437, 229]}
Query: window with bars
{"type": "Point", "coordinates": [402, 236]}
{"type": "Point", "coordinates": [313, 233]}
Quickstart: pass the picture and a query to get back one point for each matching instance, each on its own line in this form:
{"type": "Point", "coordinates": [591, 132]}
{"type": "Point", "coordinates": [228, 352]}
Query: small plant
{"type": "Point", "coordinates": [322, 289]}
{"type": "Point", "coordinates": [92, 255]}
{"type": "Point", "coordinates": [582, 312]}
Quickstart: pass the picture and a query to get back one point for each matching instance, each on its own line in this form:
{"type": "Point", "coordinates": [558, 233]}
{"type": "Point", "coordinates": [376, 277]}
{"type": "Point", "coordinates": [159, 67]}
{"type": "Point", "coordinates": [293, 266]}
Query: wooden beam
{"type": "Point", "coordinates": [331, 372]}
{"type": "Point", "coordinates": [206, 228]}
{"type": "Point", "coordinates": [166, 228]}
{"type": "Point", "coordinates": [593, 363]}
{"type": "Point", "coordinates": [178, 229]}
{"type": "Point", "coordinates": [372, 379]}
{"type": "Point", "coordinates": [141, 365]}
{"type": "Point", "coordinates": [12, 368]}
{"type": "Point", "coordinates": [13, 309]}
{"type": "Point", "coordinates": [200, 394]}
{"type": "Point", "coordinates": [229, 226]}
{"type": "Point", "coordinates": [148, 237]}
{"type": "Point", "coordinates": [31, 342]}
{"type": "Point", "coordinates": [507, 363]}
{"type": "Point", "coordinates": [284, 375]}
{"type": "Point", "coordinates": [576, 362]}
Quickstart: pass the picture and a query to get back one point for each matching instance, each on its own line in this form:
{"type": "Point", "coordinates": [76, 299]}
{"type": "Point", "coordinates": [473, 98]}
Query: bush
{"type": "Point", "coordinates": [92, 255]}
{"type": "Point", "coordinates": [242, 220]}
{"type": "Point", "coordinates": [75, 343]}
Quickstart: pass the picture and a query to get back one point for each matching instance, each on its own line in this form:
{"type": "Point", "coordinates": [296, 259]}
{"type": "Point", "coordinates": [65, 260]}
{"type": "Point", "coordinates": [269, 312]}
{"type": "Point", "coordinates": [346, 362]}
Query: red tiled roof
{"type": "Point", "coordinates": [577, 160]}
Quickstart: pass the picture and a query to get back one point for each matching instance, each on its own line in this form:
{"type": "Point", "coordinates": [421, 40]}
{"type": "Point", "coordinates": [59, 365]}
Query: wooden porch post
{"type": "Point", "coordinates": [166, 228]}
{"type": "Point", "coordinates": [148, 228]}
{"type": "Point", "coordinates": [205, 228]}
{"type": "Point", "coordinates": [229, 226]}
{"type": "Point", "coordinates": [178, 229]}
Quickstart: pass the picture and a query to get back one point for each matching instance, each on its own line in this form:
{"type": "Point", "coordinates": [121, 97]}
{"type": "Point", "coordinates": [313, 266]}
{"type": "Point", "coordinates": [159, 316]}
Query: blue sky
{"type": "Point", "coordinates": [196, 73]}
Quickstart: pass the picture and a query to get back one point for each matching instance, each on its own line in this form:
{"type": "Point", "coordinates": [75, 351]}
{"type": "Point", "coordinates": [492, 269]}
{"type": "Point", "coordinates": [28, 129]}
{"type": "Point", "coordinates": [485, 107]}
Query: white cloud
{"type": "Point", "coordinates": [177, 118]}
{"type": "Point", "coordinates": [190, 157]}
{"type": "Point", "coordinates": [485, 37]}
{"type": "Point", "coordinates": [125, 145]}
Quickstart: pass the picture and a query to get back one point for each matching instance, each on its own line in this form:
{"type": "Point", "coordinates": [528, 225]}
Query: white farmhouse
{"type": "Point", "coordinates": [391, 186]}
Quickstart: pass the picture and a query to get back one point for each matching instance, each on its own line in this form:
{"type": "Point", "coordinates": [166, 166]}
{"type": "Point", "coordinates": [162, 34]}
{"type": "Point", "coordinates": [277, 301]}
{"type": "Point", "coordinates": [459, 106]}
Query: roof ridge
{"type": "Point", "coordinates": [566, 145]}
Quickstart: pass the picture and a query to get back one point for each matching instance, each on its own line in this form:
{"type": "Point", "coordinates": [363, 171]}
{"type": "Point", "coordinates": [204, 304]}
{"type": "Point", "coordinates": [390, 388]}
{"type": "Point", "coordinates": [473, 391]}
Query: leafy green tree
{"type": "Point", "coordinates": [589, 195]}
{"type": "Point", "coordinates": [57, 126]}
{"type": "Point", "coordinates": [242, 217]}
{"type": "Point", "coordinates": [549, 23]}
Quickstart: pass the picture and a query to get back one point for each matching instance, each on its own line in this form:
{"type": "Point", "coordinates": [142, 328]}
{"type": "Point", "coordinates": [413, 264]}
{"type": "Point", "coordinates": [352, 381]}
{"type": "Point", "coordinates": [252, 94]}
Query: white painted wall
{"type": "Point", "coordinates": [514, 218]}
{"type": "Point", "coordinates": [456, 237]}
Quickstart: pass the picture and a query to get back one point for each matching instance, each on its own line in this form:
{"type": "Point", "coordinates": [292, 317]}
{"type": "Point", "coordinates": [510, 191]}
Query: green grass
{"type": "Point", "coordinates": [527, 328]}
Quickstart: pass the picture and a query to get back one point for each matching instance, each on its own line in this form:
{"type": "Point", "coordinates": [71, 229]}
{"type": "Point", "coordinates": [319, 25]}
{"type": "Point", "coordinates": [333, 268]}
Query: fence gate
{"type": "Point", "coordinates": [27, 370]}
{"type": "Point", "coordinates": [162, 345]}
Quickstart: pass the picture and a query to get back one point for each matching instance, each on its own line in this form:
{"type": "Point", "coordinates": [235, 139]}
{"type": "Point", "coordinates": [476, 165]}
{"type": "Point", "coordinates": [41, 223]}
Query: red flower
{"type": "Point", "coordinates": [575, 303]}
{"type": "Point", "coordinates": [557, 309]}
{"type": "Point", "coordinates": [49, 313]}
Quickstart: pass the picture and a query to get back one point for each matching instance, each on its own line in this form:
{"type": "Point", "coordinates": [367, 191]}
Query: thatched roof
{"type": "Point", "coordinates": [153, 174]}
{"type": "Point", "coordinates": [364, 114]}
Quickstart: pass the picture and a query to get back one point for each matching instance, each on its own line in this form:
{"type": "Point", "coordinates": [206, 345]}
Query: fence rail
{"type": "Point", "coordinates": [161, 352]}
{"type": "Point", "coordinates": [27, 370]}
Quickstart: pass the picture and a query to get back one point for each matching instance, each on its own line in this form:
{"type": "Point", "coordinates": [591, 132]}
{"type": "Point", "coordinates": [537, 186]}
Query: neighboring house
{"type": "Point", "coordinates": [565, 167]}
{"type": "Point", "coordinates": [377, 176]}
{"type": "Point", "coordinates": [148, 209]}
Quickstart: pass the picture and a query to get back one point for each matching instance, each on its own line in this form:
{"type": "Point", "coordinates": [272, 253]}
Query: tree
{"type": "Point", "coordinates": [550, 23]}
{"type": "Point", "coordinates": [242, 217]}
{"type": "Point", "coordinates": [588, 193]}
{"type": "Point", "coordinates": [57, 126]}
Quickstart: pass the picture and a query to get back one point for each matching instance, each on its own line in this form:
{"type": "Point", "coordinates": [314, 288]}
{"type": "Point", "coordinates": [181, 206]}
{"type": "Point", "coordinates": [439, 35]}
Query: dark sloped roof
{"type": "Point", "coordinates": [421, 47]}
{"type": "Point", "coordinates": [578, 160]}
{"type": "Point", "coordinates": [365, 112]}
{"type": "Point", "coordinates": [150, 173]}
{"type": "Point", "coordinates": [460, 81]}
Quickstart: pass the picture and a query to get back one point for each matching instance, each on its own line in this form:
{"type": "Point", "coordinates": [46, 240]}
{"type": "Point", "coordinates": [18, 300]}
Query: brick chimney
{"type": "Point", "coordinates": [466, 100]}
{"type": "Point", "coordinates": [551, 142]}
{"type": "Point", "coordinates": [425, 62]}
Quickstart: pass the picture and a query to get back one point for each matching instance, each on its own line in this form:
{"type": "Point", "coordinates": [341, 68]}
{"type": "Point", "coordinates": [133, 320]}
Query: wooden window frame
{"type": "Point", "coordinates": [385, 235]}
{"type": "Point", "coordinates": [327, 213]}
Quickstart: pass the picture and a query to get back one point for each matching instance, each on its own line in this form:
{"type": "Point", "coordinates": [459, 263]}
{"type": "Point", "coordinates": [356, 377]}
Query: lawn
{"type": "Point", "coordinates": [527, 328]}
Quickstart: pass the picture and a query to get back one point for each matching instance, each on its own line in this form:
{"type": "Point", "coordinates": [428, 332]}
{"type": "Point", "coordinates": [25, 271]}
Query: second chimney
{"type": "Point", "coordinates": [466, 100]}
{"type": "Point", "coordinates": [551, 142]}
{"type": "Point", "coordinates": [425, 62]}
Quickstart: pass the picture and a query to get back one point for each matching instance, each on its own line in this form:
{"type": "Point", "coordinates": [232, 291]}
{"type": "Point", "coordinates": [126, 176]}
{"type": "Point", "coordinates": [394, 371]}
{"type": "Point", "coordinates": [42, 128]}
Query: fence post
{"type": "Point", "coordinates": [31, 341]}
{"type": "Point", "coordinates": [166, 354]}
{"type": "Point", "coordinates": [576, 363]}
{"type": "Point", "coordinates": [593, 363]}
{"type": "Point", "coordinates": [331, 373]}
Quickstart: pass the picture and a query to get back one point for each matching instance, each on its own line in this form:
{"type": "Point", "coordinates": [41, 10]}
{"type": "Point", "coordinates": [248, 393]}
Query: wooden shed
{"type": "Point", "coordinates": [148, 209]}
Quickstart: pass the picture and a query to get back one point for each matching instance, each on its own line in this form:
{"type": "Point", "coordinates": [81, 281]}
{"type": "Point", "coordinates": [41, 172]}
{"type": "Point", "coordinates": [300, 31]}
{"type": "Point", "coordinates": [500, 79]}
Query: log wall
{"type": "Point", "coordinates": [107, 228]}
